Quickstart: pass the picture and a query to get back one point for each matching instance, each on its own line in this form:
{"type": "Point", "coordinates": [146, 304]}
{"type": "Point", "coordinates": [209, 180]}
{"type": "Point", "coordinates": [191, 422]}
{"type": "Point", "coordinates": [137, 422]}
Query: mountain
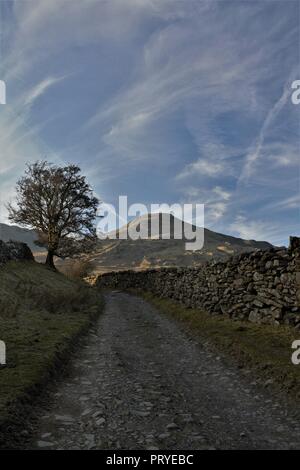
{"type": "Point", "coordinates": [157, 252]}
{"type": "Point", "coordinates": [120, 254]}
{"type": "Point", "coordinates": [15, 233]}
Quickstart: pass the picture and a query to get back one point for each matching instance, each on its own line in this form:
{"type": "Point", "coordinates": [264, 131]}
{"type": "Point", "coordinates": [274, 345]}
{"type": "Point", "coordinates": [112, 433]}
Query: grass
{"type": "Point", "coordinates": [75, 268]}
{"type": "Point", "coordinates": [42, 315]}
{"type": "Point", "coordinates": [265, 350]}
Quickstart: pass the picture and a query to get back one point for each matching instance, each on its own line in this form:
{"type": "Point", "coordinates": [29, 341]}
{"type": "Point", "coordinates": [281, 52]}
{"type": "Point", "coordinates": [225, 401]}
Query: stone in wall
{"type": "Point", "coordinates": [294, 249]}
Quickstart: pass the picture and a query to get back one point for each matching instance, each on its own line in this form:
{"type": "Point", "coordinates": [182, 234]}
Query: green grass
{"type": "Point", "coordinates": [42, 315]}
{"type": "Point", "coordinates": [266, 350]}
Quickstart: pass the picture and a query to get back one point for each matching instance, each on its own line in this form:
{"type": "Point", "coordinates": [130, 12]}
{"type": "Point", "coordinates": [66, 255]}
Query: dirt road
{"type": "Point", "coordinates": [141, 383]}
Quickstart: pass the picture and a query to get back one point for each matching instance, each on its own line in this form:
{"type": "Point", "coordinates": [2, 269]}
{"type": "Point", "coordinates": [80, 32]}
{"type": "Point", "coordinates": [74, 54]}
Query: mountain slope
{"type": "Point", "coordinates": [118, 253]}
{"type": "Point", "coordinates": [15, 233]}
{"type": "Point", "coordinates": [156, 251]}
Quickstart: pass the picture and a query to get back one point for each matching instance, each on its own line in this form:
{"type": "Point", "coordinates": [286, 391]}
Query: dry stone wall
{"type": "Point", "coordinates": [262, 286]}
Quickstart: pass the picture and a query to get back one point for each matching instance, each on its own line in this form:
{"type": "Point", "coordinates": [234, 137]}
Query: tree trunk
{"type": "Point", "coordinates": [49, 260]}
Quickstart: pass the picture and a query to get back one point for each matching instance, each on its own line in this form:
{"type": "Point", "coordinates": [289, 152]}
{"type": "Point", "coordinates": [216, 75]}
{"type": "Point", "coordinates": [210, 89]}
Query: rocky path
{"type": "Point", "coordinates": [141, 383]}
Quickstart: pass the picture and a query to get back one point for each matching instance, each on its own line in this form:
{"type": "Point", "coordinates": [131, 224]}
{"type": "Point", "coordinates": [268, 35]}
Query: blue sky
{"type": "Point", "coordinates": [162, 100]}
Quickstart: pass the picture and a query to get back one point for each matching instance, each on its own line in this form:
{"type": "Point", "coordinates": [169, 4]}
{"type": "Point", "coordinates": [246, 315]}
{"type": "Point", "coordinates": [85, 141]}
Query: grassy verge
{"type": "Point", "coordinates": [266, 350]}
{"type": "Point", "coordinates": [42, 315]}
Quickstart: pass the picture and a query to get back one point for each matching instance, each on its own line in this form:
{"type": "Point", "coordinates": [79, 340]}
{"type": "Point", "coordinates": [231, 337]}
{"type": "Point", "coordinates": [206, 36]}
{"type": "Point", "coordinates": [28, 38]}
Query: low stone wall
{"type": "Point", "coordinates": [13, 251]}
{"type": "Point", "coordinates": [262, 286]}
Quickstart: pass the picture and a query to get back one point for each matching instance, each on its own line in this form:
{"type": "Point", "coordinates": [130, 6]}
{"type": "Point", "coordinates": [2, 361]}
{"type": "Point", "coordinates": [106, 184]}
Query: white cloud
{"type": "Point", "coordinates": [222, 193]}
{"type": "Point", "coordinates": [20, 142]}
{"type": "Point", "coordinates": [201, 167]}
{"type": "Point", "coordinates": [285, 154]}
{"type": "Point", "coordinates": [255, 153]}
{"type": "Point", "coordinates": [292, 202]}
{"type": "Point", "coordinates": [215, 211]}
{"type": "Point", "coordinates": [196, 72]}
{"type": "Point", "coordinates": [253, 229]}
{"type": "Point", "coordinates": [215, 200]}
{"type": "Point", "coordinates": [39, 89]}
{"type": "Point", "coordinates": [257, 229]}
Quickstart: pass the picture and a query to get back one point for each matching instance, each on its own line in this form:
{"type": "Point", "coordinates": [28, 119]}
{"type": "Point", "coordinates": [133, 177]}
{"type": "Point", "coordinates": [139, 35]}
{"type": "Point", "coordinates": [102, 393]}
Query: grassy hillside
{"type": "Point", "coordinates": [42, 314]}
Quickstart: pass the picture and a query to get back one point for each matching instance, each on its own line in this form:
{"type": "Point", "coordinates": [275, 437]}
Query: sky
{"type": "Point", "coordinates": [164, 101]}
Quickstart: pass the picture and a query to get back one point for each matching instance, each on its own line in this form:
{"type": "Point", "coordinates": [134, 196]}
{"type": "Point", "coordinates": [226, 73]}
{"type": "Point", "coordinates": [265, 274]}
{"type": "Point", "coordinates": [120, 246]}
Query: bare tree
{"type": "Point", "coordinates": [59, 204]}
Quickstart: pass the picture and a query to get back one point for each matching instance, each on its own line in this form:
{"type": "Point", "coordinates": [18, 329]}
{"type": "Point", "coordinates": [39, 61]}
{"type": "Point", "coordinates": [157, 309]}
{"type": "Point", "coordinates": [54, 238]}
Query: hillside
{"type": "Point", "coordinates": [15, 233]}
{"type": "Point", "coordinates": [42, 315]}
{"type": "Point", "coordinates": [122, 254]}
{"type": "Point", "coordinates": [119, 254]}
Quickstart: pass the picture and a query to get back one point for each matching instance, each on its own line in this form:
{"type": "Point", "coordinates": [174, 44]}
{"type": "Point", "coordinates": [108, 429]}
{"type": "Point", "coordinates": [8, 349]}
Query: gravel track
{"type": "Point", "coordinates": [141, 383]}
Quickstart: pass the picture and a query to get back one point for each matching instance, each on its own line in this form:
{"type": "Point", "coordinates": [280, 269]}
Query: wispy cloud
{"type": "Point", "coordinates": [292, 202]}
{"type": "Point", "coordinates": [159, 99]}
{"type": "Point", "coordinates": [252, 229]}
{"type": "Point", "coordinates": [20, 141]}
{"type": "Point", "coordinates": [255, 153]}
{"type": "Point", "coordinates": [38, 90]}
{"type": "Point", "coordinates": [201, 167]}
{"type": "Point", "coordinates": [222, 193]}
